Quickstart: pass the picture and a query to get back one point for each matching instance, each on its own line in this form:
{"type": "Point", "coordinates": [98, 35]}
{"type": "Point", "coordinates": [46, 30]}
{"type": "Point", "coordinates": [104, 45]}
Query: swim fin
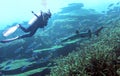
{"type": "Point", "coordinates": [10, 30]}
{"type": "Point", "coordinates": [9, 40]}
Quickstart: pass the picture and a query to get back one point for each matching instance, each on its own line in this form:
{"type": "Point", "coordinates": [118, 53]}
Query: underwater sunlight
{"type": "Point", "coordinates": [60, 38]}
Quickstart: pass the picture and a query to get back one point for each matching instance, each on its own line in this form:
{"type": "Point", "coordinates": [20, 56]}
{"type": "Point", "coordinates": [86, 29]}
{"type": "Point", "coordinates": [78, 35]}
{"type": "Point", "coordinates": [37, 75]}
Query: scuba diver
{"type": "Point", "coordinates": [40, 22]}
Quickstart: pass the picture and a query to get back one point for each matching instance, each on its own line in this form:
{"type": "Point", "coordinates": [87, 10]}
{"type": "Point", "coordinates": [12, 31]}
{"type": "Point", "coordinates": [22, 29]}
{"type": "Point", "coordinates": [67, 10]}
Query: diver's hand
{"type": "Point", "coordinates": [35, 14]}
{"type": "Point", "coordinates": [32, 12]}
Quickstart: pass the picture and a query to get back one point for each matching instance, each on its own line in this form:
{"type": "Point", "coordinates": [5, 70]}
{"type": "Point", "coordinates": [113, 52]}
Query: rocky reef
{"type": "Point", "coordinates": [46, 54]}
{"type": "Point", "coordinates": [98, 57]}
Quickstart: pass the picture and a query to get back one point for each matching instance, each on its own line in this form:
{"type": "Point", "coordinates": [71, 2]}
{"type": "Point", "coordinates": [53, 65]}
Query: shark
{"type": "Point", "coordinates": [87, 34]}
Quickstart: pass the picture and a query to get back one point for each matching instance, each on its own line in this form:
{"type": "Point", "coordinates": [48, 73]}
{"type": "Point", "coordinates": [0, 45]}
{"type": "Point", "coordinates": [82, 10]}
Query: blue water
{"type": "Point", "coordinates": [65, 20]}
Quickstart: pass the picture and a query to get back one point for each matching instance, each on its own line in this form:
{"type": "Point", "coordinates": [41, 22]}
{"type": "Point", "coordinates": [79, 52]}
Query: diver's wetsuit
{"type": "Point", "coordinates": [40, 22]}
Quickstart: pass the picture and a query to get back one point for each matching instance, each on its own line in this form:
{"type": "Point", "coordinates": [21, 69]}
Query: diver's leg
{"type": "Point", "coordinates": [20, 37]}
{"type": "Point", "coordinates": [23, 29]}
{"type": "Point", "coordinates": [28, 35]}
{"type": "Point", "coordinates": [9, 40]}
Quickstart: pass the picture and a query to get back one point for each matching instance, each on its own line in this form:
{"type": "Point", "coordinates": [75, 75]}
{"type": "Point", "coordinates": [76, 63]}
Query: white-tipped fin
{"type": "Point", "coordinates": [10, 30]}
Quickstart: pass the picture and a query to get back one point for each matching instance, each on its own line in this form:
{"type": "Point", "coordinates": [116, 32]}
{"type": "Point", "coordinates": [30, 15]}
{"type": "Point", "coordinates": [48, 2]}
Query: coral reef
{"type": "Point", "coordinates": [95, 63]}
{"type": "Point", "coordinates": [95, 56]}
{"type": "Point", "coordinates": [99, 57]}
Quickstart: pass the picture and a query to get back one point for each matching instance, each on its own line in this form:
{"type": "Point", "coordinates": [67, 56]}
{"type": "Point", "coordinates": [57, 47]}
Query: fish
{"type": "Point", "coordinates": [98, 31]}
{"type": "Point", "coordinates": [78, 35]}
{"type": "Point", "coordinates": [117, 3]}
{"type": "Point", "coordinates": [103, 12]}
{"type": "Point", "coordinates": [110, 5]}
{"type": "Point", "coordinates": [10, 30]}
{"type": "Point", "coordinates": [84, 34]}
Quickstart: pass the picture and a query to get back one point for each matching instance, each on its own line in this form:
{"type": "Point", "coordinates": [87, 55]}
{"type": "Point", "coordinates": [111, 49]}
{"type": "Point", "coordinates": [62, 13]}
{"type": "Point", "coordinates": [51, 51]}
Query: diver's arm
{"type": "Point", "coordinates": [49, 12]}
{"type": "Point", "coordinates": [35, 14]}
